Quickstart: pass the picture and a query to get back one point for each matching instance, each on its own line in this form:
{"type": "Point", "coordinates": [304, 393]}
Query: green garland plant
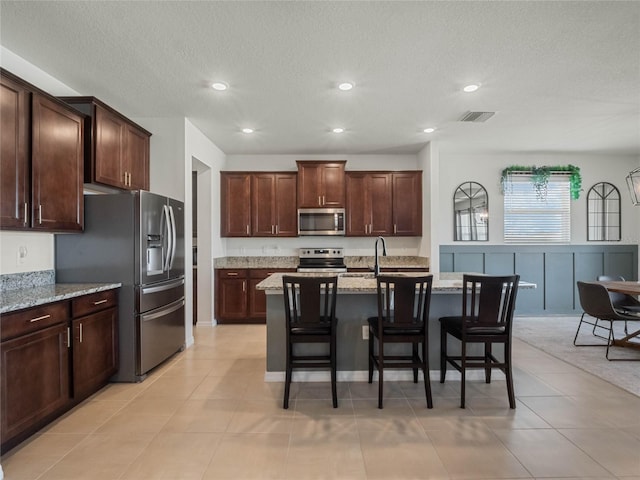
{"type": "Point", "coordinates": [540, 178]}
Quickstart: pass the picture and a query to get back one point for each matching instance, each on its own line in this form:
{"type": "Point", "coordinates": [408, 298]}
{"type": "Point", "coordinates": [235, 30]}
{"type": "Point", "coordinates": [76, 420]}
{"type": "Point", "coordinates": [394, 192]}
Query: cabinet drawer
{"type": "Point", "coordinates": [30, 320]}
{"type": "Point", "coordinates": [232, 273]}
{"type": "Point", "coordinates": [93, 302]}
{"type": "Point", "coordinates": [263, 273]}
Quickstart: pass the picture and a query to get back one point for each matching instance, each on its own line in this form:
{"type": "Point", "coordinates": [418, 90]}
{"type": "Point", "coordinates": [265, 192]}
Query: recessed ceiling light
{"type": "Point", "coordinates": [471, 88]}
{"type": "Point", "coordinates": [346, 86]}
{"type": "Point", "coordinates": [219, 86]}
{"type": "Point", "coordinates": [247, 130]}
{"type": "Point", "coordinates": [429, 130]}
{"type": "Point", "coordinates": [338, 130]}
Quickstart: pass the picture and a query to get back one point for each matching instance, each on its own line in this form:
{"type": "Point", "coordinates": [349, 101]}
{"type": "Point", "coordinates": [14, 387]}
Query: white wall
{"type": "Point", "coordinates": [39, 246]}
{"type": "Point", "coordinates": [485, 169]}
{"type": "Point", "coordinates": [290, 246]}
{"type": "Point", "coordinates": [203, 156]}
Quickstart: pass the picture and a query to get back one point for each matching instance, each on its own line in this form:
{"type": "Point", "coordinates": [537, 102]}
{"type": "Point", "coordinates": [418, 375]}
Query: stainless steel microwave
{"type": "Point", "coordinates": [321, 221]}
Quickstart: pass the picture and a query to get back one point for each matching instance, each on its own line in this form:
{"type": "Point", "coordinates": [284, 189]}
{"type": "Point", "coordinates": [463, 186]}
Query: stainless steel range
{"type": "Point", "coordinates": [320, 260]}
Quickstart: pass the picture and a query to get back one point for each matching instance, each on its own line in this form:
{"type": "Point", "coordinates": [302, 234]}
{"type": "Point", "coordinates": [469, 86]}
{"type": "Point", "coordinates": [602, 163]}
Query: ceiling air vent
{"type": "Point", "coordinates": [477, 117]}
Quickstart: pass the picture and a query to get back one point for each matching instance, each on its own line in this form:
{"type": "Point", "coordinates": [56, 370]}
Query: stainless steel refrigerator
{"type": "Point", "coordinates": [136, 239]}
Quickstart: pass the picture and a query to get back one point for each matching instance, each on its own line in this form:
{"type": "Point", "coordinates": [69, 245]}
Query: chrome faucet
{"type": "Point", "coordinates": [376, 267]}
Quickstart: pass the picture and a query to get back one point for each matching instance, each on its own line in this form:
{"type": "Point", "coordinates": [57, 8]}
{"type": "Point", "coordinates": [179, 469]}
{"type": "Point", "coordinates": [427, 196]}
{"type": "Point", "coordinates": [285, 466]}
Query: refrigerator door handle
{"type": "Point", "coordinates": [172, 308]}
{"type": "Point", "coordinates": [169, 236]}
{"type": "Point", "coordinates": [173, 236]}
{"type": "Point", "coordinates": [162, 288]}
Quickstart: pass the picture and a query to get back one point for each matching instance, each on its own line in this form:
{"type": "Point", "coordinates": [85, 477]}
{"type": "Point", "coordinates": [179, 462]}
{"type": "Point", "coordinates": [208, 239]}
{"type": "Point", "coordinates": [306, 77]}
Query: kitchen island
{"type": "Point", "coordinates": [357, 300]}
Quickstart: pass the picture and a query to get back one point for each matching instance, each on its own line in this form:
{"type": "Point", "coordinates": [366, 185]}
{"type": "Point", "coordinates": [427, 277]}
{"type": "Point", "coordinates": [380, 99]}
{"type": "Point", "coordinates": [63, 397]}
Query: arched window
{"type": "Point", "coordinates": [471, 212]}
{"type": "Point", "coordinates": [603, 213]}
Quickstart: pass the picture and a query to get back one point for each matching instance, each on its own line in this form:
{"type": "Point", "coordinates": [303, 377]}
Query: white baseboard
{"type": "Point", "coordinates": [363, 376]}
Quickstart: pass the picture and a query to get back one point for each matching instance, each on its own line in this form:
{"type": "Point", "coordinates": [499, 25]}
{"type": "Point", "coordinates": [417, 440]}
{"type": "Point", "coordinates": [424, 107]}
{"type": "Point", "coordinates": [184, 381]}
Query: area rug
{"type": "Point", "coordinates": [554, 335]}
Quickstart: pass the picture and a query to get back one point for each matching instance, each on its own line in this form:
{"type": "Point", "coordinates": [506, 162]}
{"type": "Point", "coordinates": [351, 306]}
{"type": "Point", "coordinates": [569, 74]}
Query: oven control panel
{"type": "Point", "coordinates": [331, 252]}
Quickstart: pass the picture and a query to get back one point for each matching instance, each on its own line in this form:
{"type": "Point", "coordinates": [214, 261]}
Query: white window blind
{"type": "Point", "coordinates": [533, 218]}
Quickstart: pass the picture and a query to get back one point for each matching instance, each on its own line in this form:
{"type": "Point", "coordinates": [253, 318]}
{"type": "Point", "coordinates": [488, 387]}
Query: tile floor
{"type": "Point", "coordinates": [208, 414]}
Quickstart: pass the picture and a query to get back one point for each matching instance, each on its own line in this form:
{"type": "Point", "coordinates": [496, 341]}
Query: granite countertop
{"type": "Point", "coordinates": [20, 298]}
{"type": "Point", "coordinates": [444, 282]}
{"type": "Point", "coordinates": [292, 262]}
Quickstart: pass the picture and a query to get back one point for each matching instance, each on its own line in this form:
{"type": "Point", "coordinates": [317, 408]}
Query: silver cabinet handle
{"type": "Point", "coordinates": [323, 200]}
{"type": "Point", "coordinates": [277, 230]}
{"type": "Point", "coordinates": [319, 200]}
{"type": "Point", "coordinates": [247, 229]}
{"type": "Point", "coordinates": [232, 274]}
{"type": "Point", "coordinates": [100, 302]}
{"type": "Point", "coordinates": [81, 333]}
{"type": "Point", "coordinates": [68, 337]}
{"type": "Point", "coordinates": [26, 212]}
{"type": "Point", "coordinates": [40, 214]}
{"type": "Point", "coordinates": [37, 319]}
{"type": "Point", "coordinates": [395, 228]}
{"type": "Point", "coordinates": [244, 286]}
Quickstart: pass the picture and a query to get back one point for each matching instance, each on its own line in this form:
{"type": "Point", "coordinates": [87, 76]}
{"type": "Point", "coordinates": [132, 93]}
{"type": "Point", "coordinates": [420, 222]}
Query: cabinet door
{"type": "Point", "coordinates": [235, 205]}
{"type": "Point", "coordinates": [231, 295]}
{"type": "Point", "coordinates": [95, 351]}
{"type": "Point", "coordinates": [357, 212]}
{"type": "Point", "coordinates": [257, 301]}
{"type": "Point", "coordinates": [14, 190]}
{"type": "Point", "coordinates": [332, 181]}
{"type": "Point", "coordinates": [109, 139]}
{"type": "Point", "coordinates": [136, 158]}
{"type": "Point", "coordinates": [57, 166]}
{"type": "Point", "coordinates": [286, 213]}
{"type": "Point", "coordinates": [379, 203]}
{"type": "Point", "coordinates": [309, 187]}
{"type": "Point", "coordinates": [263, 196]}
{"type": "Point", "coordinates": [35, 379]}
{"type": "Point", "coordinates": [407, 203]}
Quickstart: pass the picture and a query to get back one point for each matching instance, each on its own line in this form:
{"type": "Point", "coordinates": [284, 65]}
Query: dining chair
{"type": "Point", "coordinates": [620, 301]}
{"type": "Point", "coordinates": [596, 302]}
{"type": "Point", "coordinates": [403, 318]}
{"type": "Point", "coordinates": [488, 303]}
{"type": "Point", "coordinates": [310, 311]}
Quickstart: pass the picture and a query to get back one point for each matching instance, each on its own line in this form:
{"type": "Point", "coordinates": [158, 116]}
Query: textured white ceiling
{"type": "Point", "coordinates": [561, 76]}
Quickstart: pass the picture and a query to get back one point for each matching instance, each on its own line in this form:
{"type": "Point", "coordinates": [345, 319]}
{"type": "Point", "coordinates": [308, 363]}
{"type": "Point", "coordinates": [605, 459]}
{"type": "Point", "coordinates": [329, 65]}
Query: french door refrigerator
{"type": "Point", "coordinates": [137, 239]}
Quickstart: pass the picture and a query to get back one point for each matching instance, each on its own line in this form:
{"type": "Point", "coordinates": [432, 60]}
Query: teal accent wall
{"type": "Point", "coordinates": [555, 269]}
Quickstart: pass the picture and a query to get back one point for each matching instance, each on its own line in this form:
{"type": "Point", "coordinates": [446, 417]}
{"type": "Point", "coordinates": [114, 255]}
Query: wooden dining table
{"type": "Point", "coordinates": [629, 288]}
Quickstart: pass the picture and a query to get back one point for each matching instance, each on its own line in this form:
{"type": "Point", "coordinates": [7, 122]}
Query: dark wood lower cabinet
{"type": "Point", "coordinates": [35, 379]}
{"type": "Point", "coordinates": [237, 299]}
{"type": "Point", "coordinates": [52, 357]}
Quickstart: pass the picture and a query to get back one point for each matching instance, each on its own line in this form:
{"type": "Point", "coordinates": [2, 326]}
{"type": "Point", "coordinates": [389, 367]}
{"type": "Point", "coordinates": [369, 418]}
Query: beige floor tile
{"type": "Point", "coordinates": [473, 451]}
{"type": "Point", "coordinates": [202, 416]}
{"type": "Point", "coordinates": [397, 417]}
{"type": "Point", "coordinates": [496, 415]}
{"type": "Point", "coordinates": [174, 456]}
{"type": "Point", "coordinates": [365, 390]}
{"type": "Point", "coordinates": [228, 386]}
{"type": "Point", "coordinates": [99, 457]}
{"type": "Point", "coordinates": [121, 391]}
{"type": "Point", "coordinates": [580, 384]}
{"type": "Point", "coordinates": [339, 456]}
{"type": "Point", "coordinates": [317, 419]}
{"type": "Point", "coordinates": [622, 411]}
{"type": "Point", "coordinates": [127, 422]}
{"type": "Point", "coordinates": [318, 390]}
{"type": "Point", "coordinates": [232, 460]}
{"type": "Point", "coordinates": [190, 367]}
{"type": "Point", "coordinates": [617, 451]}
{"type": "Point", "coordinates": [398, 456]}
{"type": "Point", "coordinates": [563, 412]}
{"type": "Point", "coordinates": [86, 417]}
{"type": "Point", "coordinates": [154, 405]}
{"type": "Point", "coordinates": [27, 467]}
{"type": "Point", "coordinates": [260, 416]}
{"type": "Point", "coordinates": [527, 384]}
{"type": "Point", "coordinates": [546, 453]}
{"type": "Point", "coordinates": [446, 413]}
{"type": "Point", "coordinates": [172, 387]}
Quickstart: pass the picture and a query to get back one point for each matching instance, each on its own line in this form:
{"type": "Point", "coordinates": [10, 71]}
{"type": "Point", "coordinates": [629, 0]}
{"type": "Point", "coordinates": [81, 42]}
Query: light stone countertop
{"type": "Point", "coordinates": [444, 282]}
{"type": "Point", "coordinates": [395, 261]}
{"type": "Point", "coordinates": [12, 300]}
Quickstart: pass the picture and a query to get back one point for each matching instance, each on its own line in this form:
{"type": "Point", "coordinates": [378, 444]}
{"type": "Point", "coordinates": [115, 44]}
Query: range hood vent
{"type": "Point", "coordinates": [477, 117]}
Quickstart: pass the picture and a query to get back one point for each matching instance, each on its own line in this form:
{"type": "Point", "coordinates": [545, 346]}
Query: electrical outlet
{"type": "Point", "coordinates": [365, 332]}
{"type": "Point", "coordinates": [21, 255]}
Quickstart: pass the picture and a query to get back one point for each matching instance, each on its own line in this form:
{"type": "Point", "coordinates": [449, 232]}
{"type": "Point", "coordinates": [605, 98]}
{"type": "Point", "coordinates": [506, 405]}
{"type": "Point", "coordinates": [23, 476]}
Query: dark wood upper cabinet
{"type": "Point", "coordinates": [235, 204]}
{"type": "Point", "coordinates": [117, 148]}
{"type": "Point", "coordinates": [273, 204]}
{"type": "Point", "coordinates": [321, 184]}
{"type": "Point", "coordinates": [15, 116]}
{"type": "Point", "coordinates": [368, 208]}
{"type": "Point", "coordinates": [42, 160]}
{"type": "Point", "coordinates": [407, 203]}
{"type": "Point", "coordinates": [56, 166]}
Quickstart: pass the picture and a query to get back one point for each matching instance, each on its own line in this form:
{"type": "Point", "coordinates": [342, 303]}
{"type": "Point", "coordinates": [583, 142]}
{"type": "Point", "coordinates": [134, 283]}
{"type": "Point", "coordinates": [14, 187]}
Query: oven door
{"type": "Point", "coordinates": [321, 221]}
